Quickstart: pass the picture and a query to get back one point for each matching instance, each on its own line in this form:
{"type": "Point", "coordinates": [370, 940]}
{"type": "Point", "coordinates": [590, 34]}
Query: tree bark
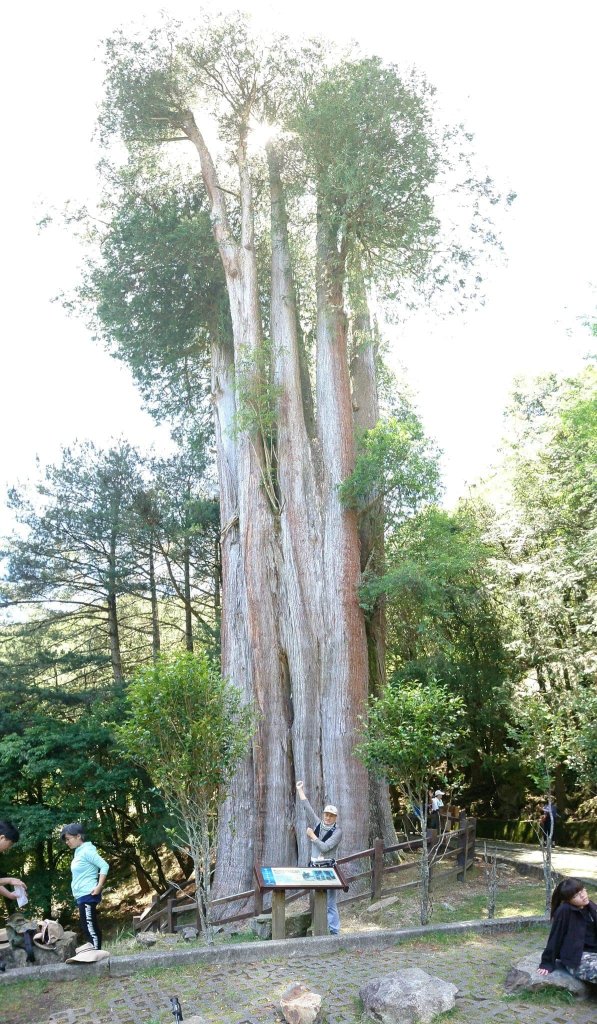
{"type": "Point", "coordinates": [365, 401]}
{"type": "Point", "coordinates": [344, 654]}
{"type": "Point", "coordinates": [155, 620]}
{"type": "Point", "coordinates": [300, 522]}
{"type": "Point", "coordinates": [188, 613]}
{"type": "Point", "coordinates": [233, 860]}
{"type": "Point", "coordinates": [293, 635]}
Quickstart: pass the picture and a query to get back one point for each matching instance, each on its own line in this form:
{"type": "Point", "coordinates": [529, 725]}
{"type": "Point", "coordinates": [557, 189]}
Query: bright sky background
{"type": "Point", "coordinates": [520, 74]}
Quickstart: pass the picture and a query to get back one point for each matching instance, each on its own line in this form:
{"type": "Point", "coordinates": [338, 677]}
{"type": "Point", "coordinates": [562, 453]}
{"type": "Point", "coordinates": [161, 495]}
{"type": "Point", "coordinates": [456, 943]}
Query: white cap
{"type": "Point", "coordinates": [439, 792]}
{"type": "Point", "coordinates": [330, 809]}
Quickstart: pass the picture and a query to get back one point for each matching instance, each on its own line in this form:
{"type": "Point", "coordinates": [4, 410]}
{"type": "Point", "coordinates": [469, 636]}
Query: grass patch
{"type": "Point", "coordinates": [521, 900]}
{"type": "Point", "coordinates": [434, 938]}
{"type": "Point", "coordinates": [543, 997]}
{"type": "Point", "coordinates": [125, 943]}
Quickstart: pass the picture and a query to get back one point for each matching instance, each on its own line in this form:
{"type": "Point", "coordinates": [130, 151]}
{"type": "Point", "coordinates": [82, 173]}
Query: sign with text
{"type": "Point", "coordinates": [299, 878]}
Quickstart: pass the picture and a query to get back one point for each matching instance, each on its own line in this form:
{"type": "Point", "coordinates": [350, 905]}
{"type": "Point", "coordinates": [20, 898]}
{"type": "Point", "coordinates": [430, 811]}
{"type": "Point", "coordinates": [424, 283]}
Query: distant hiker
{"type": "Point", "coordinates": [9, 835]}
{"type": "Point", "coordinates": [436, 804]}
{"type": "Point", "coordinates": [89, 872]}
{"type": "Point", "coordinates": [325, 838]}
{"type": "Point", "coordinates": [547, 821]}
{"type": "Point", "coordinates": [573, 935]}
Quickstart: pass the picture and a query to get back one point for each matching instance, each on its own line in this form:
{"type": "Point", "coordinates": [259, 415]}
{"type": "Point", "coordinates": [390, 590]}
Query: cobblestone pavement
{"type": "Point", "coordinates": [248, 993]}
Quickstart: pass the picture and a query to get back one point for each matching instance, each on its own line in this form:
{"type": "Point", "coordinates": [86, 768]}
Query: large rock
{"type": "Point", "coordinates": [407, 997]}
{"type": "Point", "coordinates": [381, 905]}
{"type": "Point", "coordinates": [7, 958]}
{"type": "Point", "coordinates": [523, 977]}
{"type": "Point", "coordinates": [297, 925]}
{"type": "Point", "coordinates": [57, 954]}
{"type": "Point", "coordinates": [300, 1005]}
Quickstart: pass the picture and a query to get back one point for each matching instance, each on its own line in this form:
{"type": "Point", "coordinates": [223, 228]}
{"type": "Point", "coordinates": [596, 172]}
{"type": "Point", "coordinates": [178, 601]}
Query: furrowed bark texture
{"type": "Point", "coordinates": [300, 520]}
{"type": "Point", "coordinates": [237, 813]}
{"type": "Point", "coordinates": [344, 653]}
{"type": "Point", "coordinates": [293, 635]}
{"type": "Point", "coordinates": [365, 402]}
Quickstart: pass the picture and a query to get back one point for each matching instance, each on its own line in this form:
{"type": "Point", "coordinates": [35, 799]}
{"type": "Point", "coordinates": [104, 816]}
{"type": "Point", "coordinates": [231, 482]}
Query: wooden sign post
{"type": "Point", "coordinates": [315, 880]}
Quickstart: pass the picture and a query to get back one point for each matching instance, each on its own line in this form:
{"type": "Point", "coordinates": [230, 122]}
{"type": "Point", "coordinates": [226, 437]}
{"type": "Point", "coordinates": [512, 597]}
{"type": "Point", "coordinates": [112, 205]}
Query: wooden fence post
{"type": "Point", "coordinates": [170, 916]}
{"type": "Point", "coordinates": [377, 873]}
{"type": "Point", "coordinates": [431, 841]}
{"type": "Point", "coordinates": [473, 837]}
{"type": "Point", "coordinates": [463, 853]}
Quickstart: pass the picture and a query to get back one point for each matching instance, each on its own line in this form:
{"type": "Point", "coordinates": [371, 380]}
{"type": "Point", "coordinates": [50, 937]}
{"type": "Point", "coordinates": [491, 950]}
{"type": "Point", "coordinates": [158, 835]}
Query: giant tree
{"type": "Point", "coordinates": [345, 195]}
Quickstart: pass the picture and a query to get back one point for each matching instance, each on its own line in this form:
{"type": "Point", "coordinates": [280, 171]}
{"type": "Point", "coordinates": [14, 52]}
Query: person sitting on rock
{"type": "Point", "coordinates": [573, 935]}
{"type": "Point", "coordinates": [325, 837]}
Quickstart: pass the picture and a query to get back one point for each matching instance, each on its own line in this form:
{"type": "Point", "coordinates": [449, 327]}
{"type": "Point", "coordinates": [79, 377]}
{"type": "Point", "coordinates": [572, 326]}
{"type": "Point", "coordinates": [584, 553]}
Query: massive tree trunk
{"type": "Point", "coordinates": [344, 653]}
{"type": "Point", "coordinates": [300, 521]}
{"type": "Point", "coordinates": [293, 635]}
{"type": "Point", "coordinates": [365, 400]}
{"type": "Point", "coordinates": [237, 814]}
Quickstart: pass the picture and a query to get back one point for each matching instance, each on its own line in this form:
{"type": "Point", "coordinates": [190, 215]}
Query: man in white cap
{"type": "Point", "coordinates": [325, 836]}
{"type": "Point", "coordinates": [436, 804]}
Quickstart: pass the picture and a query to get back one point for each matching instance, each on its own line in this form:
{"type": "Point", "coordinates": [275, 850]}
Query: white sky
{"type": "Point", "coordinates": [520, 74]}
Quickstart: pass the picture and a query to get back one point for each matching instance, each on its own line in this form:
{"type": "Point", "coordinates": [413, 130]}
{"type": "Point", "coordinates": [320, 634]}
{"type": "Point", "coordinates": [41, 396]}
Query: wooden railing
{"type": "Point", "coordinates": [453, 843]}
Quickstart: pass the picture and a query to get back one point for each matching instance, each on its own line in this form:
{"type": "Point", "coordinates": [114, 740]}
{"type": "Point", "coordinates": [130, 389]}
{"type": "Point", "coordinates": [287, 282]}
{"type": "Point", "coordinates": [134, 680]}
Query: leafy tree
{"type": "Point", "coordinates": [59, 762]}
{"type": "Point", "coordinates": [74, 551]}
{"type": "Point", "coordinates": [445, 620]}
{"type": "Point", "coordinates": [545, 531]}
{"type": "Point", "coordinates": [412, 734]}
{"type": "Point", "coordinates": [347, 189]}
{"type": "Point", "coordinates": [542, 732]}
{"type": "Point", "coordinates": [189, 729]}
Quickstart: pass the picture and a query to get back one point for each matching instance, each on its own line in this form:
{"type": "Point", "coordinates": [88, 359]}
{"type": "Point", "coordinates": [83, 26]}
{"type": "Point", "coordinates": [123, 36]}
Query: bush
{"type": "Point", "coordinates": [581, 834]}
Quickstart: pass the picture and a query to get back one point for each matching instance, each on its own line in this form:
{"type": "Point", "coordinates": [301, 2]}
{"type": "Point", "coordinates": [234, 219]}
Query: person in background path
{"type": "Point", "coordinates": [436, 803]}
{"type": "Point", "coordinates": [325, 837]}
{"type": "Point", "coordinates": [89, 873]}
{"type": "Point", "coordinates": [9, 835]}
{"type": "Point", "coordinates": [547, 821]}
{"type": "Point", "coordinates": [573, 935]}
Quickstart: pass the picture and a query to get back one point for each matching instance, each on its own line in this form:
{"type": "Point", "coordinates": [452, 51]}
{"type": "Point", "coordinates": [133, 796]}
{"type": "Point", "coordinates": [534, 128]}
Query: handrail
{"type": "Point", "coordinates": [458, 843]}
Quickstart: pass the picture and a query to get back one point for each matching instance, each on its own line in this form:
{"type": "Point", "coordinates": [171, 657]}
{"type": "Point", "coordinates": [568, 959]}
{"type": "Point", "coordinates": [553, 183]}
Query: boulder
{"type": "Point", "coordinates": [57, 954]}
{"type": "Point", "coordinates": [523, 977]}
{"type": "Point", "coordinates": [261, 926]}
{"type": "Point", "coordinates": [297, 925]}
{"type": "Point", "coordinates": [381, 905]}
{"type": "Point", "coordinates": [147, 939]}
{"type": "Point", "coordinates": [300, 1005]}
{"type": "Point", "coordinates": [7, 958]}
{"type": "Point", "coordinates": [407, 997]}
{"type": "Point", "coordinates": [189, 933]}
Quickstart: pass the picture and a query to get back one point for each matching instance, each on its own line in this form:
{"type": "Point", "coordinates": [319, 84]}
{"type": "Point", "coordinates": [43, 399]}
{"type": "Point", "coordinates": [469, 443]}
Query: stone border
{"type": "Point", "coordinates": [124, 966]}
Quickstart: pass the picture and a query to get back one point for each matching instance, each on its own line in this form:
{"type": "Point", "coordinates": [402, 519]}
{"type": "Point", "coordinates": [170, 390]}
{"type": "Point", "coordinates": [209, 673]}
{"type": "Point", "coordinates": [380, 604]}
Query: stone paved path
{"type": "Point", "coordinates": [248, 993]}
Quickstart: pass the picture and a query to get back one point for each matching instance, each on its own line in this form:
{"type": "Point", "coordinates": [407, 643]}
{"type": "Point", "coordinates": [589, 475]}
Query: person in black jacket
{"type": "Point", "coordinates": [573, 935]}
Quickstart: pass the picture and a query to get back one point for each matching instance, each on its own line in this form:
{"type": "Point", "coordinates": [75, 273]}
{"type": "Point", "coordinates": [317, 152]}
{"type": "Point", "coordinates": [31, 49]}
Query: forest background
{"type": "Point", "coordinates": [118, 555]}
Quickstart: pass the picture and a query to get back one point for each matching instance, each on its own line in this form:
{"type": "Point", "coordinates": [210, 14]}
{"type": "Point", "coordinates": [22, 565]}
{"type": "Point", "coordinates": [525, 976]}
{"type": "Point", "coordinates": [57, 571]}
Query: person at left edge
{"type": "Point", "coordinates": [89, 873]}
{"type": "Point", "coordinates": [9, 835]}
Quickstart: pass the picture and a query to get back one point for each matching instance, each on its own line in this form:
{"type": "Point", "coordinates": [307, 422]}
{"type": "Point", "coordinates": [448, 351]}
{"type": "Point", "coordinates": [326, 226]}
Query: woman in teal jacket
{"type": "Point", "coordinates": [89, 873]}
